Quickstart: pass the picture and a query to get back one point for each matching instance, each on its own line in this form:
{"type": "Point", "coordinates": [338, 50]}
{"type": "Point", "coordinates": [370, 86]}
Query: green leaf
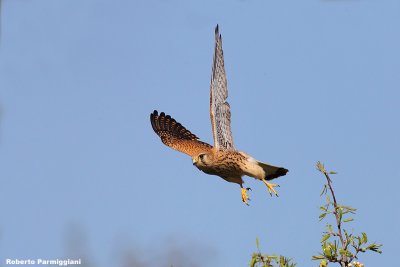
{"type": "Point", "coordinates": [320, 167]}
{"type": "Point", "coordinates": [340, 212]}
{"type": "Point", "coordinates": [253, 261]}
{"type": "Point", "coordinates": [332, 172]}
{"type": "Point", "coordinates": [257, 244]}
{"type": "Point", "coordinates": [349, 209]}
{"type": "Point", "coordinates": [364, 238]}
{"type": "Point", "coordinates": [324, 190]}
{"type": "Point", "coordinates": [317, 257]}
{"type": "Point", "coordinates": [325, 237]}
{"type": "Point", "coordinates": [348, 220]}
{"type": "Point", "coordinates": [322, 216]}
{"type": "Point", "coordinates": [323, 263]}
{"type": "Point", "coordinates": [374, 247]}
{"type": "Point", "coordinates": [327, 250]}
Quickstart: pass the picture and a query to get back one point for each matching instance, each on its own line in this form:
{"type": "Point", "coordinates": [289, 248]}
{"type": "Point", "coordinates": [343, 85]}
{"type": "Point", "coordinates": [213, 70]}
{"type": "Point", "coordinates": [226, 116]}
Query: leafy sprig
{"type": "Point", "coordinates": [265, 260]}
{"type": "Point", "coordinates": [338, 245]}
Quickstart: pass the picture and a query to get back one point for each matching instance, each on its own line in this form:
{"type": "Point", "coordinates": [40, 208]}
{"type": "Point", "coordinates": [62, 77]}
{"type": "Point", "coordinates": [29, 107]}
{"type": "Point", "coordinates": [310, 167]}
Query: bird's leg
{"type": "Point", "coordinates": [245, 197]}
{"type": "Point", "coordinates": [271, 188]}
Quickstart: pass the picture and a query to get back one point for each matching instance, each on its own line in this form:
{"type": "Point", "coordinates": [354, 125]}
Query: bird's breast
{"type": "Point", "coordinates": [224, 164]}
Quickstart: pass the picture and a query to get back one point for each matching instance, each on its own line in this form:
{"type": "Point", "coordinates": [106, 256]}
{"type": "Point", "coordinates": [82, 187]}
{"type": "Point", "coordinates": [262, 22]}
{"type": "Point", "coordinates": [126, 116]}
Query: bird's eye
{"type": "Point", "coordinates": [201, 156]}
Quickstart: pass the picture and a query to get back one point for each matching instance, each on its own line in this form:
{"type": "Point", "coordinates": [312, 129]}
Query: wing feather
{"type": "Point", "coordinates": [220, 112]}
{"type": "Point", "coordinates": [176, 136]}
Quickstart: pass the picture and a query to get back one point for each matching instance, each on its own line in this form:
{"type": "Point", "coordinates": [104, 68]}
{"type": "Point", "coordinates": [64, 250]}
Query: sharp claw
{"type": "Point", "coordinates": [270, 188]}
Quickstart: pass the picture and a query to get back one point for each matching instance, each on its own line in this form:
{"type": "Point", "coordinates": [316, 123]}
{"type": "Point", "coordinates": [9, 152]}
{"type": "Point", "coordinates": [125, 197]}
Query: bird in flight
{"type": "Point", "coordinates": [222, 159]}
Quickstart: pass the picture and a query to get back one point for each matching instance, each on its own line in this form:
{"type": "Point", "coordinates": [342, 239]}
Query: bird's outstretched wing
{"type": "Point", "coordinates": [174, 135]}
{"type": "Point", "coordinates": [220, 112]}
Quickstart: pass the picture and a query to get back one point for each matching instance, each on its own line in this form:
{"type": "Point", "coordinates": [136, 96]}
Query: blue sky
{"type": "Point", "coordinates": [79, 162]}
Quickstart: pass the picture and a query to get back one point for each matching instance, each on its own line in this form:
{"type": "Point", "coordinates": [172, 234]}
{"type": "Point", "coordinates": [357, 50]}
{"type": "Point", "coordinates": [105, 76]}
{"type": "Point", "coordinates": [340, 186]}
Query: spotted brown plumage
{"type": "Point", "coordinates": [222, 159]}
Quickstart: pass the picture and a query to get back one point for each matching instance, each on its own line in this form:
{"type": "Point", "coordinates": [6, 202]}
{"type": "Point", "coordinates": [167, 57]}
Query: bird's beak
{"type": "Point", "coordinates": [194, 160]}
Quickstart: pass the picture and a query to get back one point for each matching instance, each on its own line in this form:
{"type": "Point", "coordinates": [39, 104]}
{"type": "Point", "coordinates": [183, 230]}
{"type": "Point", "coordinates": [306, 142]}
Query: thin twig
{"type": "Point", "coordinates": [336, 208]}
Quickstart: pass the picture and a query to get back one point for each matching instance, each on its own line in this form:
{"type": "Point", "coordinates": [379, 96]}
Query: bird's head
{"type": "Point", "coordinates": [201, 160]}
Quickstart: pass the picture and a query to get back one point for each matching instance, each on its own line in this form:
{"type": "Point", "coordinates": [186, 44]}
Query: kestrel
{"type": "Point", "coordinates": [222, 159]}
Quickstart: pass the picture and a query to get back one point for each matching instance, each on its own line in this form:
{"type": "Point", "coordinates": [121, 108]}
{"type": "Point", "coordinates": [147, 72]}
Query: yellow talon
{"type": "Point", "coordinates": [271, 188]}
{"type": "Point", "coordinates": [245, 197]}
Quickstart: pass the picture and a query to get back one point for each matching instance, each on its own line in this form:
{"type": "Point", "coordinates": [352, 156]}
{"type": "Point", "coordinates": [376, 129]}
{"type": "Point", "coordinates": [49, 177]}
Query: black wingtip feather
{"type": "Point", "coordinates": [152, 119]}
{"type": "Point", "coordinates": [165, 123]}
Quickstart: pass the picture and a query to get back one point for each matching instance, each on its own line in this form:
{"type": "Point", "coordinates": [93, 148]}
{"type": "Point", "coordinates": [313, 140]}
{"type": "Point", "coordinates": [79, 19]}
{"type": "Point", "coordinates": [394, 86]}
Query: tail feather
{"type": "Point", "coordinates": [272, 172]}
